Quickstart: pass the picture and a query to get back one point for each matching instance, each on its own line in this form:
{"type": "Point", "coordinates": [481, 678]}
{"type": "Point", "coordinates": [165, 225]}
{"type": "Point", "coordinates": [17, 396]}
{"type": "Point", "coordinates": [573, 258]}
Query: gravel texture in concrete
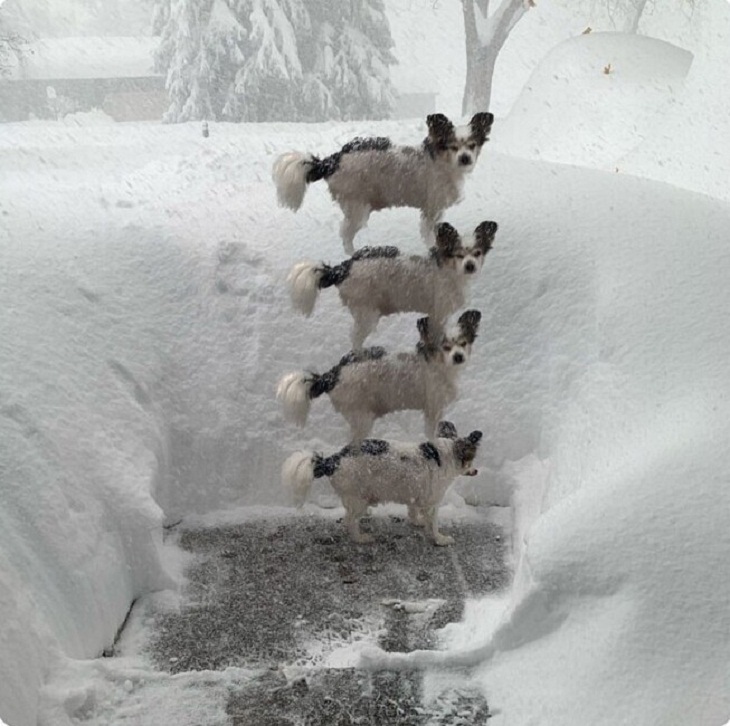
{"type": "Point", "coordinates": [284, 596]}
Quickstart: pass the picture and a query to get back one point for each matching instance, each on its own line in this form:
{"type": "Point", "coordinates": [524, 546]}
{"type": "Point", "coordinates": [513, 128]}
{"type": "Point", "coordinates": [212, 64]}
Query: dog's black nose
{"type": "Point", "coordinates": [465, 160]}
{"type": "Point", "coordinates": [458, 358]}
{"type": "Point", "coordinates": [470, 267]}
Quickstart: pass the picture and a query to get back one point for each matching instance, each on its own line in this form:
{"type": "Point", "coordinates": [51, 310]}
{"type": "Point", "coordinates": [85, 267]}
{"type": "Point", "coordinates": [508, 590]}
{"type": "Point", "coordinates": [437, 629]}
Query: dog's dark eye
{"type": "Point", "coordinates": [477, 253]}
{"type": "Point", "coordinates": [447, 347]}
{"type": "Point", "coordinates": [454, 147]}
{"type": "Point", "coordinates": [471, 146]}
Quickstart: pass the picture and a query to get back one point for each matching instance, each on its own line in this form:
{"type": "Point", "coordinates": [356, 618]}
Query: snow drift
{"type": "Point", "coordinates": [146, 321]}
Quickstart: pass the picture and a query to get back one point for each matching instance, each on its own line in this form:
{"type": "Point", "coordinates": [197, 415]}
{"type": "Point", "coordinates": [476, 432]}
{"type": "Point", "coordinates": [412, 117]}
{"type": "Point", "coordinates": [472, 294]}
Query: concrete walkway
{"type": "Point", "coordinates": [286, 597]}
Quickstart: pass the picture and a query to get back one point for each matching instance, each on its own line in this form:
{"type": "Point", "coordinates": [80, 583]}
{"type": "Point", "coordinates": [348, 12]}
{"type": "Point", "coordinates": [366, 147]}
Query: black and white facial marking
{"type": "Point", "coordinates": [468, 325]}
{"type": "Point", "coordinates": [429, 452]}
{"type": "Point", "coordinates": [450, 250]}
{"type": "Point", "coordinates": [337, 274]}
{"type": "Point", "coordinates": [453, 349]}
{"type": "Point", "coordinates": [446, 430]}
{"type": "Point", "coordinates": [465, 449]}
{"type": "Point", "coordinates": [459, 145]}
{"type": "Point", "coordinates": [427, 346]}
{"type": "Point", "coordinates": [447, 244]}
{"type": "Point", "coordinates": [325, 382]}
{"type": "Point", "coordinates": [324, 168]}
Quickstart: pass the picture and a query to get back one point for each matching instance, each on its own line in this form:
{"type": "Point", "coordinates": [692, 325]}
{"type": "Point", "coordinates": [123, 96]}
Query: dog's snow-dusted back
{"type": "Point", "coordinates": [374, 471]}
{"type": "Point", "coordinates": [379, 281]}
{"type": "Point", "coordinates": [370, 174]}
{"type": "Point", "coordinates": [369, 383]}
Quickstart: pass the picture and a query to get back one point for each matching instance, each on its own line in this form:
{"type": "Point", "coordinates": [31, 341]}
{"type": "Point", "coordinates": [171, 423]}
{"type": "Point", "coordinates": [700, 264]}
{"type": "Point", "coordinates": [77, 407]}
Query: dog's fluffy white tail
{"type": "Point", "coordinates": [290, 178]}
{"type": "Point", "coordinates": [303, 281]}
{"type": "Point", "coordinates": [297, 475]}
{"type": "Point", "coordinates": [293, 392]}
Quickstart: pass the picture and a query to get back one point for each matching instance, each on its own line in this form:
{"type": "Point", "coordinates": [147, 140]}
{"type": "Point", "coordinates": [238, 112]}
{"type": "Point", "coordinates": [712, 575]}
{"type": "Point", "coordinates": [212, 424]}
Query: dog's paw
{"type": "Point", "coordinates": [442, 540]}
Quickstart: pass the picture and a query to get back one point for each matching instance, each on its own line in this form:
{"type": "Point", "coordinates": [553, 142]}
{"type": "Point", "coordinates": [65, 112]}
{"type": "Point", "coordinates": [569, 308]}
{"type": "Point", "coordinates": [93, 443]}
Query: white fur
{"type": "Point", "coordinates": [380, 286]}
{"type": "Point", "coordinates": [369, 180]}
{"type": "Point", "coordinates": [298, 475]}
{"type": "Point", "coordinates": [289, 175]}
{"type": "Point", "coordinates": [369, 389]}
{"type": "Point", "coordinates": [293, 392]}
{"type": "Point", "coordinates": [303, 281]}
{"type": "Point", "coordinates": [402, 475]}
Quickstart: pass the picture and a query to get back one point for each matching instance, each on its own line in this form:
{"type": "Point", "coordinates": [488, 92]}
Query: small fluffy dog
{"type": "Point", "coordinates": [370, 383]}
{"type": "Point", "coordinates": [374, 472]}
{"type": "Point", "coordinates": [379, 281]}
{"type": "Point", "coordinates": [369, 174]}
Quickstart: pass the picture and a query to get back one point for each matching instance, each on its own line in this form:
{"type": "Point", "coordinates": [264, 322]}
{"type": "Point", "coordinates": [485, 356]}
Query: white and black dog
{"type": "Point", "coordinates": [370, 383]}
{"type": "Point", "coordinates": [379, 281]}
{"type": "Point", "coordinates": [369, 174]}
{"type": "Point", "coordinates": [374, 471]}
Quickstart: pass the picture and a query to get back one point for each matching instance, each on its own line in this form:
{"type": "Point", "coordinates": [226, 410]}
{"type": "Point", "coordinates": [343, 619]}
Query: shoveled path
{"type": "Point", "coordinates": [286, 597]}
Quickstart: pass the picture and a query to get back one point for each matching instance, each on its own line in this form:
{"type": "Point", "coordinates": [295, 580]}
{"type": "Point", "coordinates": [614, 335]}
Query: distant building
{"type": "Point", "coordinates": [56, 76]}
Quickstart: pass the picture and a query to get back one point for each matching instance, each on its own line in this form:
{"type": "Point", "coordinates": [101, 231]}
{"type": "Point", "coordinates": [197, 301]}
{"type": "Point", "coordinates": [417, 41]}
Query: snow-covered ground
{"type": "Point", "coordinates": [145, 323]}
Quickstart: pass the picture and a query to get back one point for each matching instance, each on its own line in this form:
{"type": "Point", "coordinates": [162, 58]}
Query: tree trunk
{"type": "Point", "coordinates": [478, 90]}
{"type": "Point", "coordinates": [632, 22]}
{"type": "Point", "coordinates": [485, 36]}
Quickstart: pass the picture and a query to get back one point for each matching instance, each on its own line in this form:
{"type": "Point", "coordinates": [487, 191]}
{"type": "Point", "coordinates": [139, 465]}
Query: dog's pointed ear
{"type": "Point", "coordinates": [469, 324]}
{"type": "Point", "coordinates": [439, 127]}
{"type": "Point", "coordinates": [481, 126]}
{"type": "Point", "coordinates": [446, 430]}
{"type": "Point", "coordinates": [475, 437]}
{"type": "Point", "coordinates": [423, 329]}
{"type": "Point", "coordinates": [447, 238]}
{"type": "Point", "coordinates": [484, 235]}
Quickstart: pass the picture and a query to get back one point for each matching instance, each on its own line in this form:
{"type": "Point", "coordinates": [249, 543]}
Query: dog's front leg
{"type": "Point", "coordinates": [431, 516]}
{"type": "Point", "coordinates": [428, 227]}
{"type": "Point", "coordinates": [431, 420]}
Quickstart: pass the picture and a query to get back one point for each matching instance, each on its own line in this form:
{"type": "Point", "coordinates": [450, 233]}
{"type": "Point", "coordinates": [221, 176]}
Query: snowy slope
{"type": "Point", "coordinates": [145, 324]}
{"type": "Point", "coordinates": [621, 83]}
{"type": "Point", "coordinates": [660, 112]}
{"type": "Point", "coordinates": [146, 343]}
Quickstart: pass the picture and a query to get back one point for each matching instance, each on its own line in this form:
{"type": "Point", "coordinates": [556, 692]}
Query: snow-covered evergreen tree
{"type": "Point", "coordinates": [357, 75]}
{"type": "Point", "coordinates": [271, 75]}
{"type": "Point", "coordinates": [263, 60]}
{"type": "Point", "coordinates": [200, 51]}
{"type": "Point", "coordinates": [11, 44]}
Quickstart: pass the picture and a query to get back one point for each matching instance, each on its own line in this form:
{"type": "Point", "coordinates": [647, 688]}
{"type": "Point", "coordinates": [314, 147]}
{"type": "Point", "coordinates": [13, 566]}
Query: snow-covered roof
{"type": "Point", "coordinates": [87, 57]}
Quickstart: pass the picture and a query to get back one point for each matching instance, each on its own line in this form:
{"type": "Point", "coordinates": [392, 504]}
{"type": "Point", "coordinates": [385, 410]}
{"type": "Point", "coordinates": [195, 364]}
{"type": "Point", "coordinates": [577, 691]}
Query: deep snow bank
{"type": "Point", "coordinates": [147, 324]}
{"type": "Point", "coordinates": [618, 613]}
{"type": "Point", "coordinates": [620, 85]}
{"type": "Point", "coordinates": [660, 113]}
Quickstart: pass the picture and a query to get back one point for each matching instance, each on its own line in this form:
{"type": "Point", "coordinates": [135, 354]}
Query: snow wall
{"type": "Point", "coordinates": [146, 324]}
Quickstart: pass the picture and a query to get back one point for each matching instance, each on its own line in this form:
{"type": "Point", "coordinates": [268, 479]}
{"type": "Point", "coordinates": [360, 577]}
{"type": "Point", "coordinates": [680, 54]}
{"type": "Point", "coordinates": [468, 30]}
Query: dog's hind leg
{"type": "Point", "coordinates": [365, 321]}
{"type": "Point", "coordinates": [415, 515]}
{"type": "Point", "coordinates": [361, 425]}
{"type": "Point", "coordinates": [356, 217]}
{"type": "Point", "coordinates": [430, 516]}
{"type": "Point", "coordinates": [354, 510]}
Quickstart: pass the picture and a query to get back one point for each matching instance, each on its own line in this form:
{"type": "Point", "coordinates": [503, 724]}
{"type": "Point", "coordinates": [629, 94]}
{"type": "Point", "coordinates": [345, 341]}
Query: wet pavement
{"type": "Point", "coordinates": [291, 598]}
